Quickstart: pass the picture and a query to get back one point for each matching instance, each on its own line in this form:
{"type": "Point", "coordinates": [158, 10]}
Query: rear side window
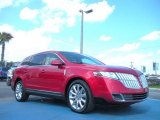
{"type": "Point", "coordinates": [38, 59]}
{"type": "Point", "coordinates": [26, 61]}
{"type": "Point", "coordinates": [50, 57]}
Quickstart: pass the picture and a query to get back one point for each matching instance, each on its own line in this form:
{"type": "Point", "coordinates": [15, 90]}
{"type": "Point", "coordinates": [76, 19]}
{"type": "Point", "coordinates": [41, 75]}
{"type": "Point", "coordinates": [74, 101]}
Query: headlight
{"type": "Point", "coordinates": [143, 81]}
{"type": "Point", "coordinates": [128, 80]}
{"type": "Point", "coordinates": [106, 74]}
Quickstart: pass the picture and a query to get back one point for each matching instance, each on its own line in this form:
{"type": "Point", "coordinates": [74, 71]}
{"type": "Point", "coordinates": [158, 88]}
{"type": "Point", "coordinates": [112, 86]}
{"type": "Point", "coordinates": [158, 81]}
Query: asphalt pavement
{"type": "Point", "coordinates": [154, 93]}
{"type": "Point", "coordinates": [38, 108]}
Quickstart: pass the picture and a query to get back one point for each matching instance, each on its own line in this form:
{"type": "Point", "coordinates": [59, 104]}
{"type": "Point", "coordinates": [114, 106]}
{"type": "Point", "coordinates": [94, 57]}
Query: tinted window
{"type": "Point", "coordinates": [50, 57]}
{"type": "Point", "coordinates": [26, 61]}
{"type": "Point", "coordinates": [38, 59]}
{"type": "Point", "coordinates": [4, 69]}
{"type": "Point", "coordinates": [80, 59]}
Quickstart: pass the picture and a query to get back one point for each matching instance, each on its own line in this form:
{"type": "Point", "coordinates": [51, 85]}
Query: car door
{"type": "Point", "coordinates": [34, 80]}
{"type": "Point", "coordinates": [52, 76]}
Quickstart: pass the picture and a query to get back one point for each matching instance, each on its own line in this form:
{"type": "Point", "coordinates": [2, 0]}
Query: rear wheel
{"type": "Point", "coordinates": [8, 81]}
{"type": "Point", "coordinates": [79, 97]}
{"type": "Point", "coordinates": [20, 93]}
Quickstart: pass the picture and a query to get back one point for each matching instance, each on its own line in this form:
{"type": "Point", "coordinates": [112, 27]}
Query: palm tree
{"type": "Point", "coordinates": [4, 37]}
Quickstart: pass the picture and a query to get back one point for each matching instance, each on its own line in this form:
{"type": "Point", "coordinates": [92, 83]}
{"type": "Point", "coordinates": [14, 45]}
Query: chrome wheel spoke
{"type": "Point", "coordinates": [18, 91]}
{"type": "Point", "coordinates": [83, 100]}
{"type": "Point", "coordinates": [73, 93]}
{"type": "Point", "coordinates": [77, 104]}
{"type": "Point", "coordinates": [72, 97]}
{"type": "Point", "coordinates": [74, 88]}
{"type": "Point", "coordinates": [77, 97]}
{"type": "Point", "coordinates": [80, 103]}
{"type": "Point", "coordinates": [78, 87]}
{"type": "Point", "coordinates": [83, 95]}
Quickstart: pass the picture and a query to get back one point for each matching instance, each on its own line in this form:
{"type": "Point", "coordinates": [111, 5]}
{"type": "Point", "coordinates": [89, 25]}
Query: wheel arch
{"type": "Point", "coordinates": [73, 79]}
{"type": "Point", "coordinates": [17, 80]}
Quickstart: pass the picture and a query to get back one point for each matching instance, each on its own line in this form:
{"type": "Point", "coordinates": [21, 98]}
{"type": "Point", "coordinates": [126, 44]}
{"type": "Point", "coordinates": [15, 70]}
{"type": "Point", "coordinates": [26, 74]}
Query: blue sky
{"type": "Point", "coordinates": [117, 32]}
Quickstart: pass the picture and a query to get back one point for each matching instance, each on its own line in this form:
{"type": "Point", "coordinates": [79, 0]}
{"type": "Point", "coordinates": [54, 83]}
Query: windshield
{"type": "Point", "coordinates": [80, 59]}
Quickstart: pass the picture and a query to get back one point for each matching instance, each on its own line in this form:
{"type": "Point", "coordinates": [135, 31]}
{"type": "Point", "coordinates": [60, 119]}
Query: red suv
{"type": "Point", "coordinates": [79, 79]}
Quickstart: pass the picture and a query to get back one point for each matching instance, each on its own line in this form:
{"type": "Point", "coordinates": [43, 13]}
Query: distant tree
{"type": "Point", "coordinates": [4, 37]}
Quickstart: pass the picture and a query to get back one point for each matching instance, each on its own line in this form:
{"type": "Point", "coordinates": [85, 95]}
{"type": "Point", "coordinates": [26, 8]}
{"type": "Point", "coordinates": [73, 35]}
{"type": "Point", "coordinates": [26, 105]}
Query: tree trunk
{"type": "Point", "coordinates": [3, 49]}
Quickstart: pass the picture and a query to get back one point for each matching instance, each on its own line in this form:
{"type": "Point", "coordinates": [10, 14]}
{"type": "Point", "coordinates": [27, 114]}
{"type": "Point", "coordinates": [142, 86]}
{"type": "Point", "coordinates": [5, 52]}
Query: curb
{"type": "Point", "coordinates": [154, 88]}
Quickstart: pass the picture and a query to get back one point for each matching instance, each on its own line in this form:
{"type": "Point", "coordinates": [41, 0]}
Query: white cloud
{"type": "Point", "coordinates": [28, 14]}
{"type": "Point", "coordinates": [54, 16]}
{"type": "Point", "coordinates": [25, 43]}
{"type": "Point", "coordinates": [6, 28]}
{"type": "Point", "coordinates": [155, 35]}
{"type": "Point", "coordinates": [105, 38]}
{"type": "Point", "coordinates": [101, 11]}
{"type": "Point", "coordinates": [125, 59]}
{"type": "Point", "coordinates": [126, 48]}
{"type": "Point", "coordinates": [71, 21]}
{"type": "Point", "coordinates": [158, 51]}
{"type": "Point", "coordinates": [5, 3]}
{"type": "Point", "coordinates": [67, 10]}
{"type": "Point", "coordinates": [53, 25]}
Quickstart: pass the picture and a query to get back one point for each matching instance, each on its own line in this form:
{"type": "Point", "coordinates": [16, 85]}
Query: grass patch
{"type": "Point", "coordinates": [155, 86]}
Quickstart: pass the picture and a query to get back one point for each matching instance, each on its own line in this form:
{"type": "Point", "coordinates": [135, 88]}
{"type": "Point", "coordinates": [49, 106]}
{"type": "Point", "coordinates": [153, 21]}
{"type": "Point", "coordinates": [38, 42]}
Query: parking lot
{"type": "Point", "coordinates": [38, 108]}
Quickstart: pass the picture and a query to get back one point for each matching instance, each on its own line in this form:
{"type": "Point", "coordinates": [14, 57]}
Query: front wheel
{"type": "Point", "coordinates": [20, 93]}
{"type": "Point", "coordinates": [79, 97]}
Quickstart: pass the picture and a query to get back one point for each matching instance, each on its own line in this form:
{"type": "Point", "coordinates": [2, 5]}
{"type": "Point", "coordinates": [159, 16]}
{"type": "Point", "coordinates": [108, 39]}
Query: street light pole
{"type": "Point", "coordinates": [81, 41]}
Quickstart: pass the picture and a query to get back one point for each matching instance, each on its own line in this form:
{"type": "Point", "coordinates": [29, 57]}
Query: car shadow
{"type": "Point", "coordinates": [51, 101]}
{"type": "Point", "coordinates": [119, 110]}
{"type": "Point", "coordinates": [122, 110]}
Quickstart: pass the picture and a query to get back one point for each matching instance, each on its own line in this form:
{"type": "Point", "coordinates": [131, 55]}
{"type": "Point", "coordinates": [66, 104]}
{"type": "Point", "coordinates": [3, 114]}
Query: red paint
{"type": "Point", "coordinates": [55, 78]}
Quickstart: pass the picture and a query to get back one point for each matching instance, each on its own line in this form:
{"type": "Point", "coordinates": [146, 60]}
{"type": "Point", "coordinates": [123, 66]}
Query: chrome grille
{"type": "Point", "coordinates": [128, 80]}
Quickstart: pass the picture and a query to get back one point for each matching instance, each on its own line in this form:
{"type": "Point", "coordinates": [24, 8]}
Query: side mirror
{"type": "Point", "coordinates": [56, 62]}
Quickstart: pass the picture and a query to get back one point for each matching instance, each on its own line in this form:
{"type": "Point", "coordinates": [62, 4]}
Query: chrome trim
{"type": "Point", "coordinates": [65, 71]}
{"type": "Point", "coordinates": [44, 92]}
{"type": "Point", "coordinates": [128, 80]}
{"type": "Point", "coordinates": [130, 97]}
{"type": "Point", "coordinates": [59, 57]}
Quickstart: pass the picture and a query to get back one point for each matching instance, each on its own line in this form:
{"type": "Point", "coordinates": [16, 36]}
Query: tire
{"type": "Point", "coordinates": [20, 94]}
{"type": "Point", "coordinates": [79, 97]}
{"type": "Point", "coordinates": [8, 82]}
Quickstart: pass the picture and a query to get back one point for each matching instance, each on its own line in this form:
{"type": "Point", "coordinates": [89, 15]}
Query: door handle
{"type": "Point", "coordinates": [43, 71]}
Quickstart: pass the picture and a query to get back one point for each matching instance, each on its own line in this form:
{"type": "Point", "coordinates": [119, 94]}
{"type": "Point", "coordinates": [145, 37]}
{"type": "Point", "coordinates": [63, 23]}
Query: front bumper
{"type": "Point", "coordinates": [114, 91]}
{"type": "Point", "coordinates": [129, 97]}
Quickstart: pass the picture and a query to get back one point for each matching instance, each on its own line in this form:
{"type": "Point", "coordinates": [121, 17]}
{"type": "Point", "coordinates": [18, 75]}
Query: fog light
{"type": "Point", "coordinates": [118, 97]}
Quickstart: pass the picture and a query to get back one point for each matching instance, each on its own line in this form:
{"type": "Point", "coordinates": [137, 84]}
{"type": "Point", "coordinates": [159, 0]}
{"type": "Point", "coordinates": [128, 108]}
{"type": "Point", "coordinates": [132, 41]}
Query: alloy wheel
{"type": "Point", "coordinates": [77, 97]}
{"type": "Point", "coordinates": [18, 91]}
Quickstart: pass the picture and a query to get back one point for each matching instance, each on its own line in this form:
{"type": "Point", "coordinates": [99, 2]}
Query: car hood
{"type": "Point", "coordinates": [110, 68]}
